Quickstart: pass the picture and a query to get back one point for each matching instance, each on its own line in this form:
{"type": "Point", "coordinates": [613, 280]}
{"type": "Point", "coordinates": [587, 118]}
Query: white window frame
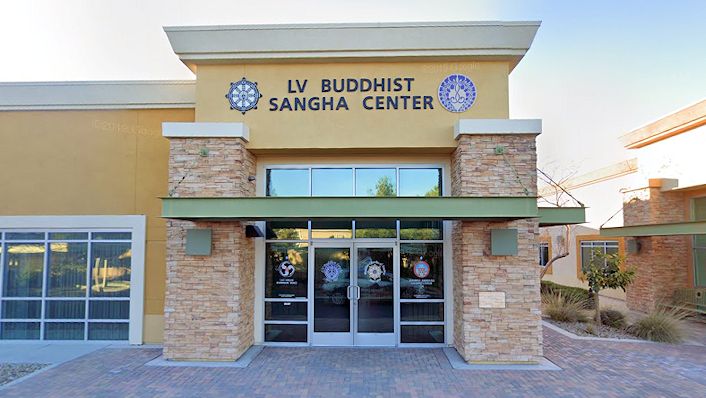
{"type": "Point", "coordinates": [595, 244]}
{"type": "Point", "coordinates": [135, 224]}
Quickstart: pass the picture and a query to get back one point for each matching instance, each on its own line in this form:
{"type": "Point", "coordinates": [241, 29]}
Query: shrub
{"type": "Point", "coordinates": [613, 318]}
{"type": "Point", "coordinates": [662, 325]}
{"type": "Point", "coordinates": [579, 293]}
{"type": "Point", "coordinates": [562, 308]}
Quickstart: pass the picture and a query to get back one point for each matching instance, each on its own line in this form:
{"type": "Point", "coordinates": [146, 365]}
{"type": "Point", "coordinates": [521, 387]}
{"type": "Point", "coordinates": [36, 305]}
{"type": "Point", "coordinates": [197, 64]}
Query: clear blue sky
{"type": "Point", "coordinates": [597, 69]}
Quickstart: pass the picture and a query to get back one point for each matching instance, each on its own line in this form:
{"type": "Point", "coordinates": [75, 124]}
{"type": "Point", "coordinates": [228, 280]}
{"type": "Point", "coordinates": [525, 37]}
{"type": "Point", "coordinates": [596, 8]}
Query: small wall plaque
{"type": "Point", "coordinates": [491, 299]}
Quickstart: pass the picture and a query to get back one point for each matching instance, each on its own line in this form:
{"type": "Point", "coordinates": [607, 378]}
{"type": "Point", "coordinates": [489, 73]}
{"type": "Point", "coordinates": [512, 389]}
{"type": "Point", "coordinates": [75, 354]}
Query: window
{"type": "Point", "coordinates": [288, 182]}
{"type": "Point", "coordinates": [354, 181]}
{"type": "Point", "coordinates": [543, 253]}
{"type": "Point", "coordinates": [420, 182]}
{"type": "Point", "coordinates": [375, 182]}
{"type": "Point", "coordinates": [589, 247]}
{"type": "Point", "coordinates": [699, 243]}
{"type": "Point", "coordinates": [65, 285]}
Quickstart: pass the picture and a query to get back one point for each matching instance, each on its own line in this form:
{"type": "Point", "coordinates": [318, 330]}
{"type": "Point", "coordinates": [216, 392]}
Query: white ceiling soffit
{"type": "Point", "coordinates": [508, 41]}
{"type": "Point", "coordinates": [97, 95]}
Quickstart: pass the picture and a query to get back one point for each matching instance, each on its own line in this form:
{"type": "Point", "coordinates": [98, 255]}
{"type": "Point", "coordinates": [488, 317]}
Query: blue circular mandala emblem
{"type": "Point", "coordinates": [243, 95]}
{"type": "Point", "coordinates": [457, 93]}
{"type": "Point", "coordinates": [331, 271]}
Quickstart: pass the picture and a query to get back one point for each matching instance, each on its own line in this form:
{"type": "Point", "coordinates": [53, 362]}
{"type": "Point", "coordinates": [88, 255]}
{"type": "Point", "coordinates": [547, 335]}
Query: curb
{"type": "Point", "coordinates": [570, 335]}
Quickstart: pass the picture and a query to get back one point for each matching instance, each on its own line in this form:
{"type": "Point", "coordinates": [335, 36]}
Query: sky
{"type": "Point", "coordinates": [596, 70]}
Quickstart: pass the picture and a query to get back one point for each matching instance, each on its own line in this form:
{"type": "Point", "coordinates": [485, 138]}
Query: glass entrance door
{"type": "Point", "coordinates": [375, 295]}
{"type": "Point", "coordinates": [354, 294]}
{"type": "Point", "coordinates": [333, 294]}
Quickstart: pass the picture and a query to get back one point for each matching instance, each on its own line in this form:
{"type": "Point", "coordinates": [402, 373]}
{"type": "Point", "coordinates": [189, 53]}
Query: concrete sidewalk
{"type": "Point", "coordinates": [52, 353]}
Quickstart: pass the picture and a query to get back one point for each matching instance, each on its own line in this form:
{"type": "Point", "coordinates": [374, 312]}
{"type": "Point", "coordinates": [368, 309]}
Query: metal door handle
{"type": "Point", "coordinates": [348, 292]}
{"type": "Point", "coordinates": [357, 292]}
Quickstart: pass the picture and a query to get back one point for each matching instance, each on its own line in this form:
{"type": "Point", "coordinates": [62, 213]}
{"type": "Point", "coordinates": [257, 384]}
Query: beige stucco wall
{"type": "Point", "coordinates": [356, 128]}
{"type": "Point", "coordinates": [107, 162]}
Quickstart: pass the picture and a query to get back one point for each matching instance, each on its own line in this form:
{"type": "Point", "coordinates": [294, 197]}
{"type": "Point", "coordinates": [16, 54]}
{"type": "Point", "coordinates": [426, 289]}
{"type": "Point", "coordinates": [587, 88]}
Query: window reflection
{"type": "Point", "coordinates": [22, 275]}
{"type": "Point", "coordinates": [287, 230]}
{"type": "Point", "coordinates": [67, 269]}
{"type": "Point", "coordinates": [375, 182]}
{"type": "Point", "coordinates": [332, 182]}
{"type": "Point", "coordinates": [420, 182]}
{"type": "Point", "coordinates": [110, 270]}
{"type": "Point", "coordinates": [287, 182]}
{"type": "Point", "coordinates": [331, 229]}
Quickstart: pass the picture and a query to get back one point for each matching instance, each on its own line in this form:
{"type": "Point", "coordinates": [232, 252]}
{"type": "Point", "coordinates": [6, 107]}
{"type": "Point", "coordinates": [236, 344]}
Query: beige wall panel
{"type": "Point", "coordinates": [153, 329]}
{"type": "Point", "coordinates": [93, 162]}
{"type": "Point", "coordinates": [357, 127]}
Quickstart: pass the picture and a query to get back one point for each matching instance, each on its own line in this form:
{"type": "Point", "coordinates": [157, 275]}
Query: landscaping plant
{"type": "Point", "coordinates": [662, 325]}
{"type": "Point", "coordinates": [578, 292]}
{"type": "Point", "coordinates": [561, 308]}
{"type": "Point", "coordinates": [613, 318]}
{"type": "Point", "coordinates": [606, 271]}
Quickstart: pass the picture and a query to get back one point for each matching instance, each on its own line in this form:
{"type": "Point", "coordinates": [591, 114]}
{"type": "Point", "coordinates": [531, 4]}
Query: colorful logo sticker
{"type": "Point", "coordinates": [331, 271]}
{"type": "Point", "coordinates": [457, 93]}
{"type": "Point", "coordinates": [286, 269]}
{"type": "Point", "coordinates": [375, 270]}
{"type": "Point", "coordinates": [421, 269]}
{"type": "Point", "coordinates": [243, 95]}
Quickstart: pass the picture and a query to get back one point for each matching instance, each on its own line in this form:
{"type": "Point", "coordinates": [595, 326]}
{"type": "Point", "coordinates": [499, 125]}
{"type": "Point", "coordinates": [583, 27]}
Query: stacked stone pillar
{"type": "Point", "coordinates": [496, 165]}
{"type": "Point", "coordinates": [209, 299]}
{"type": "Point", "coordinates": [661, 263]}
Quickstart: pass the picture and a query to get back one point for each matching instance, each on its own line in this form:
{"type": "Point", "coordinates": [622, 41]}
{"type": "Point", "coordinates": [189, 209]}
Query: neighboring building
{"type": "Point", "coordinates": [653, 212]}
{"type": "Point", "coordinates": [336, 184]}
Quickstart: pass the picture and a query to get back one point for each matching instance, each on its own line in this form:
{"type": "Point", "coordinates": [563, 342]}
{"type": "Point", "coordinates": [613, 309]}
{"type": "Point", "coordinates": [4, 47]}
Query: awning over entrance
{"type": "Point", "coordinates": [680, 228]}
{"type": "Point", "coordinates": [448, 208]}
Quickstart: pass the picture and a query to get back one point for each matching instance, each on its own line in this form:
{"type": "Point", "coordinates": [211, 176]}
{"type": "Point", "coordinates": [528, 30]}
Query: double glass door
{"type": "Point", "coordinates": [354, 294]}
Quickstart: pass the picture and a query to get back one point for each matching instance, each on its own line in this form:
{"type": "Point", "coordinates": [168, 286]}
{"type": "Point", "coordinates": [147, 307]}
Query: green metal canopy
{"type": "Point", "coordinates": [445, 207]}
{"type": "Point", "coordinates": [679, 228]}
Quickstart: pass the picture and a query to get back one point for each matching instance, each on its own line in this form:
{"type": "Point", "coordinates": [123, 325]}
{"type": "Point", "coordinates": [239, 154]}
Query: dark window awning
{"type": "Point", "coordinates": [679, 228]}
{"type": "Point", "coordinates": [447, 208]}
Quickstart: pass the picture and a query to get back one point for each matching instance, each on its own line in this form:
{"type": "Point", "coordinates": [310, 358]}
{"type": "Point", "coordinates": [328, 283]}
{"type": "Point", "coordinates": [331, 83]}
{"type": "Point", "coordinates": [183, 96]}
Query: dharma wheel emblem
{"type": "Point", "coordinates": [243, 95]}
{"type": "Point", "coordinates": [375, 270]}
{"type": "Point", "coordinates": [457, 93]}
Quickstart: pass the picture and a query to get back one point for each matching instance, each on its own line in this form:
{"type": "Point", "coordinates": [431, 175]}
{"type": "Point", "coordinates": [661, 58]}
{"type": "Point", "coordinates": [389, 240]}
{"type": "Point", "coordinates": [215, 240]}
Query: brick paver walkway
{"type": "Point", "coordinates": [591, 369]}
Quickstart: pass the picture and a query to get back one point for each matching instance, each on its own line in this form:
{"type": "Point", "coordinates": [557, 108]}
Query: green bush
{"type": "Point", "coordinates": [579, 293]}
{"type": "Point", "coordinates": [613, 318]}
{"type": "Point", "coordinates": [562, 308]}
{"type": "Point", "coordinates": [662, 325]}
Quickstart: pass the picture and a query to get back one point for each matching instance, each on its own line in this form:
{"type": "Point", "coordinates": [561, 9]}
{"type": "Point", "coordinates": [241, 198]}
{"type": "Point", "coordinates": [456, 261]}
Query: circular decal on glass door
{"type": "Point", "coordinates": [375, 270]}
{"type": "Point", "coordinates": [457, 93]}
{"type": "Point", "coordinates": [286, 269]}
{"type": "Point", "coordinates": [421, 269]}
{"type": "Point", "coordinates": [331, 271]}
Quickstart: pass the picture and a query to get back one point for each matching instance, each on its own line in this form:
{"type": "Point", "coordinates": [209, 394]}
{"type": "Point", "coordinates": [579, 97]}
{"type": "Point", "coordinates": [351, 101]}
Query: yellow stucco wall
{"type": "Point", "coordinates": [356, 127]}
{"type": "Point", "coordinates": [93, 163]}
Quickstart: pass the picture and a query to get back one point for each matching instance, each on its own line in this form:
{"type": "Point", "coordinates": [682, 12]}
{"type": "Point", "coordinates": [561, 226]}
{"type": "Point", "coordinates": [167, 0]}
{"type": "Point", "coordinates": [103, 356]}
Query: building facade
{"type": "Point", "coordinates": [338, 185]}
{"type": "Point", "coordinates": [652, 213]}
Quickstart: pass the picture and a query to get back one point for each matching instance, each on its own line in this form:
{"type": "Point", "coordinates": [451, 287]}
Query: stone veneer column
{"type": "Point", "coordinates": [662, 263]}
{"type": "Point", "coordinates": [514, 333]}
{"type": "Point", "coordinates": [209, 299]}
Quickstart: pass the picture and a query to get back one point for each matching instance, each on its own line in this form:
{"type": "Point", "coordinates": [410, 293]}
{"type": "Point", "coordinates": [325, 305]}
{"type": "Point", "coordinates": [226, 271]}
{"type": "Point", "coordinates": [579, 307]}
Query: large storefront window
{"type": "Point", "coordinates": [350, 299]}
{"type": "Point", "coordinates": [65, 285]}
{"type": "Point", "coordinates": [354, 181]}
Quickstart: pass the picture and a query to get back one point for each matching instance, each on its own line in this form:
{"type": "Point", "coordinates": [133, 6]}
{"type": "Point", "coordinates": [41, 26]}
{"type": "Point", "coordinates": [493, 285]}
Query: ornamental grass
{"type": "Point", "coordinates": [564, 308]}
{"type": "Point", "coordinates": [663, 325]}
